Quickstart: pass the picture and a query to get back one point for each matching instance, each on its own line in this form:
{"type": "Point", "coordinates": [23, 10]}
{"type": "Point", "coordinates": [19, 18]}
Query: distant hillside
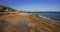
{"type": "Point", "coordinates": [2, 8]}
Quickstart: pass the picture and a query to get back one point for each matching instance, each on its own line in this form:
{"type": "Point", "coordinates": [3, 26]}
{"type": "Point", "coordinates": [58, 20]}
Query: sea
{"type": "Point", "coordinates": [51, 15]}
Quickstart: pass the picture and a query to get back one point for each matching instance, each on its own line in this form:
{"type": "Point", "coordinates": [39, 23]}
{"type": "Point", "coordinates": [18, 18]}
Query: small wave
{"type": "Point", "coordinates": [48, 18]}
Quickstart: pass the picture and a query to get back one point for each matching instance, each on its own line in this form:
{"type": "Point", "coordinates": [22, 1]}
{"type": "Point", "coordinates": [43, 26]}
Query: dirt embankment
{"type": "Point", "coordinates": [24, 22]}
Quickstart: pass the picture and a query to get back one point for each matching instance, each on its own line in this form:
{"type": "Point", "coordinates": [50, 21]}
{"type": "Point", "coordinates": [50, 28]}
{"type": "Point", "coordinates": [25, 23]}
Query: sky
{"type": "Point", "coordinates": [32, 5]}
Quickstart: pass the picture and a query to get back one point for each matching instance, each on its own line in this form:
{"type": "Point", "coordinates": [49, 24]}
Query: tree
{"type": "Point", "coordinates": [2, 9]}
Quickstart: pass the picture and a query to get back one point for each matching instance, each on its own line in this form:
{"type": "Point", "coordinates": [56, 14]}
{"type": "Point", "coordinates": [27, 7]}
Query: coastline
{"type": "Point", "coordinates": [29, 23]}
{"type": "Point", "coordinates": [49, 19]}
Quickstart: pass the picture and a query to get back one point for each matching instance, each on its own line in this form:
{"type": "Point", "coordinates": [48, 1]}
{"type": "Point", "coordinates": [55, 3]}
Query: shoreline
{"type": "Point", "coordinates": [29, 23]}
{"type": "Point", "coordinates": [48, 18]}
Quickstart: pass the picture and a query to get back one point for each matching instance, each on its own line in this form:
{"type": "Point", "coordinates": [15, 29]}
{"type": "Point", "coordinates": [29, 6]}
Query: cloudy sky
{"type": "Point", "coordinates": [32, 5]}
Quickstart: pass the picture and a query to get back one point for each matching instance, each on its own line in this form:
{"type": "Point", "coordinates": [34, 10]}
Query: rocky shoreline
{"type": "Point", "coordinates": [24, 22]}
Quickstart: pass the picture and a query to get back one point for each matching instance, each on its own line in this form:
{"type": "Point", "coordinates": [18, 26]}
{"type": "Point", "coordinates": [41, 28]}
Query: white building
{"type": "Point", "coordinates": [6, 10]}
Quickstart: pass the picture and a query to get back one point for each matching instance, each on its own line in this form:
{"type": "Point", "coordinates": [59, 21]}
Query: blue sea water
{"type": "Point", "coordinates": [51, 15]}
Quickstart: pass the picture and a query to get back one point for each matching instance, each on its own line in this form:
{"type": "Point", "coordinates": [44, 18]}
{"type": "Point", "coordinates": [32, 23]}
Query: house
{"type": "Point", "coordinates": [6, 11]}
